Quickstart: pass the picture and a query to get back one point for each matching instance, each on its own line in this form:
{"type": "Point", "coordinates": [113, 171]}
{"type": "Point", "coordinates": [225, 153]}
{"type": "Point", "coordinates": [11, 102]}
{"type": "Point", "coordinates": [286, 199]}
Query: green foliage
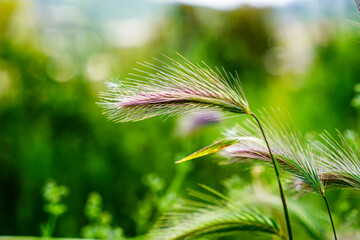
{"type": "Point", "coordinates": [356, 100]}
{"type": "Point", "coordinates": [53, 195]}
{"type": "Point", "coordinates": [100, 221]}
{"type": "Point", "coordinates": [158, 199]}
{"type": "Point", "coordinates": [149, 207]}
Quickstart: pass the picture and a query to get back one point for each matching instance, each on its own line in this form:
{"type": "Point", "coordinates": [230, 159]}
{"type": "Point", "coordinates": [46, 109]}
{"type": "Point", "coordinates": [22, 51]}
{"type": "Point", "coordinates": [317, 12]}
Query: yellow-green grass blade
{"type": "Point", "coordinates": [211, 149]}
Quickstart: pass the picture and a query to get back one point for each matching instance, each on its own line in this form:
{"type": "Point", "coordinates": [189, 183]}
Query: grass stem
{"type": "Point", "coordinates": [332, 222]}
{"type": "Point", "coordinates": [277, 172]}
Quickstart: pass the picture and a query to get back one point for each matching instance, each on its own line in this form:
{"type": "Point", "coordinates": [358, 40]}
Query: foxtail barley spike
{"type": "Point", "coordinates": [294, 153]}
{"type": "Point", "coordinates": [341, 157]}
{"type": "Point", "coordinates": [172, 89]}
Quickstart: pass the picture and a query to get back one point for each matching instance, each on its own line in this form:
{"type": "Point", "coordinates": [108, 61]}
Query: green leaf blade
{"type": "Point", "coordinates": [211, 149]}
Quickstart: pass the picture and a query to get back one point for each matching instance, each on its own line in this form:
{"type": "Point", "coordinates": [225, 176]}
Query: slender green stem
{"type": "Point", "coordinates": [277, 172]}
{"type": "Point", "coordinates": [52, 223]}
{"type": "Point", "coordinates": [331, 220]}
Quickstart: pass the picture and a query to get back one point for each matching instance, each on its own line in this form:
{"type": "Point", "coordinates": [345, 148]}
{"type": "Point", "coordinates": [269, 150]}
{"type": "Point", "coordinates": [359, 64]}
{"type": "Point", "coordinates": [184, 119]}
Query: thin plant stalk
{"type": "Point", "coordinates": [331, 219]}
{"type": "Point", "coordinates": [52, 224]}
{"type": "Point", "coordinates": [277, 172]}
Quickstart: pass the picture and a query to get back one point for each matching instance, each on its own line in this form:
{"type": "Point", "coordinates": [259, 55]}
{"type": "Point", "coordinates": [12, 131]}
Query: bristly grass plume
{"type": "Point", "coordinates": [342, 158]}
{"type": "Point", "coordinates": [171, 89]}
{"type": "Point", "coordinates": [175, 88]}
{"type": "Point", "coordinates": [213, 215]}
{"type": "Point", "coordinates": [295, 154]}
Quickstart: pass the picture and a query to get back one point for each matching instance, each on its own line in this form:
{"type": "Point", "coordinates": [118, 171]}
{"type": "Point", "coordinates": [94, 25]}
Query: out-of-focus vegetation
{"type": "Point", "coordinates": [53, 195]}
{"type": "Point", "coordinates": [99, 226]}
{"type": "Point", "coordinates": [51, 127]}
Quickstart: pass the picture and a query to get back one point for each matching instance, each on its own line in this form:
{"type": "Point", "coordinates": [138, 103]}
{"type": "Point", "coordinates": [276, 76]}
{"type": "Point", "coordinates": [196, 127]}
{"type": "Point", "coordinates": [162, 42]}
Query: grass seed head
{"type": "Point", "coordinates": [173, 88]}
{"type": "Point", "coordinates": [293, 152]}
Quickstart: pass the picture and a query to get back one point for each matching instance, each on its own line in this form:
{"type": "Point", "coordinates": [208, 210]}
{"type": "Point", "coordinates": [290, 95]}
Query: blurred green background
{"type": "Point", "coordinates": [55, 58]}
